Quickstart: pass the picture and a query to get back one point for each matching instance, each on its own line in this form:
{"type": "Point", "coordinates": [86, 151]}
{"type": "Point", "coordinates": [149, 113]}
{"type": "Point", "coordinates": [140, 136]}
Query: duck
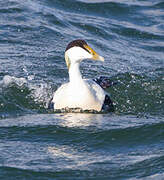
{"type": "Point", "coordinates": [84, 94]}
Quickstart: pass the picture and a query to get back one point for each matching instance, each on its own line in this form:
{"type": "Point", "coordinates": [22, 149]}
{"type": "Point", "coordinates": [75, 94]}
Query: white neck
{"type": "Point", "coordinates": [74, 73]}
{"type": "Point", "coordinates": [73, 57]}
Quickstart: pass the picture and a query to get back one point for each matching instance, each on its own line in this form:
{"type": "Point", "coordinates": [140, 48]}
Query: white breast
{"type": "Point", "coordinates": [86, 95]}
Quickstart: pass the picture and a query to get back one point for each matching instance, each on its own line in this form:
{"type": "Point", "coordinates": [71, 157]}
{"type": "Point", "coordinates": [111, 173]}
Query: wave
{"type": "Point", "coordinates": [138, 93]}
{"type": "Point", "coordinates": [97, 21]}
{"type": "Point", "coordinates": [76, 150]}
{"type": "Point", "coordinates": [91, 136]}
{"type": "Point", "coordinates": [17, 95]}
{"type": "Point", "coordinates": [133, 94]}
{"type": "Point", "coordinates": [140, 170]}
{"type": "Point", "coordinates": [38, 143]}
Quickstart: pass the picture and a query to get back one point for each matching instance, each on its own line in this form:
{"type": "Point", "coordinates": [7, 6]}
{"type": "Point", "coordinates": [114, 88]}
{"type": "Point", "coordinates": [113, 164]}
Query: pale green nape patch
{"type": "Point", "coordinates": [67, 60]}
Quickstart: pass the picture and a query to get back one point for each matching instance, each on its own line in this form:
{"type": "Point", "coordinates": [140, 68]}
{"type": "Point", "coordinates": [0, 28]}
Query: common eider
{"type": "Point", "coordinates": [78, 92]}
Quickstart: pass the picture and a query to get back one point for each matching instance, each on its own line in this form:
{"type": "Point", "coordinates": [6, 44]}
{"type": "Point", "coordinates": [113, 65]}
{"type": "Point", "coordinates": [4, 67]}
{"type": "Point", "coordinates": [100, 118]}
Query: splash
{"type": "Point", "coordinates": [10, 80]}
{"type": "Point", "coordinates": [18, 95]}
{"type": "Point", "coordinates": [138, 94]}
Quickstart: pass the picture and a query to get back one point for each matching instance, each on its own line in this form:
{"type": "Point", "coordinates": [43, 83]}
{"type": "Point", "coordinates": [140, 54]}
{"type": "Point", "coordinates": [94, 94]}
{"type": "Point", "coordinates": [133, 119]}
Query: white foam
{"type": "Point", "coordinates": [40, 92]}
{"type": "Point", "coordinates": [8, 80]}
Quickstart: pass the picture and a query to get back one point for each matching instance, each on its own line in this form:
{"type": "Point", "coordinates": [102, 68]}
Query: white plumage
{"type": "Point", "coordinates": [78, 92]}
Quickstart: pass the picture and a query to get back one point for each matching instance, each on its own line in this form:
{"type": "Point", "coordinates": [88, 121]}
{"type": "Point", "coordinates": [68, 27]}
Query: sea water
{"type": "Point", "coordinates": [36, 143]}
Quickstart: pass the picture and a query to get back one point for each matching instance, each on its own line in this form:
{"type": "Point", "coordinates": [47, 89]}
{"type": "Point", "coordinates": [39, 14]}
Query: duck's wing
{"type": "Point", "coordinates": [108, 104]}
{"type": "Point", "coordinates": [104, 97]}
{"type": "Point", "coordinates": [104, 82]}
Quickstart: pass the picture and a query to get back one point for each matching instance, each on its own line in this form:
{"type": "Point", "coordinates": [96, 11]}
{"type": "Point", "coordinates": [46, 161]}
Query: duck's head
{"type": "Point", "coordinates": [79, 50]}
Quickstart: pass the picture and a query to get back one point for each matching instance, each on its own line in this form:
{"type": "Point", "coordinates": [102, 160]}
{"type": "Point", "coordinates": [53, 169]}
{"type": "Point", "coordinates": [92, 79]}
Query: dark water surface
{"type": "Point", "coordinates": [38, 144]}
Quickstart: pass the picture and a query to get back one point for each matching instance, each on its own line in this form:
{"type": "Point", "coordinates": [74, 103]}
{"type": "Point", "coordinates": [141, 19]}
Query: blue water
{"type": "Point", "coordinates": [36, 143]}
